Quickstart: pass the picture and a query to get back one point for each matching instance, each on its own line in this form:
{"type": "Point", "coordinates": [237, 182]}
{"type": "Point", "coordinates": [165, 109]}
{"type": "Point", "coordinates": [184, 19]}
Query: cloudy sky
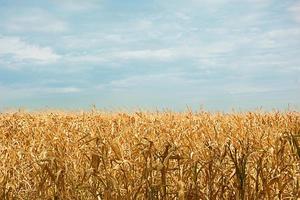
{"type": "Point", "coordinates": [117, 54]}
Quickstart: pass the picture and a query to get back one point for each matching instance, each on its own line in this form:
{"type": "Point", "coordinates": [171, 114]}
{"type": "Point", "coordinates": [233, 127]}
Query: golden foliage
{"type": "Point", "coordinates": [161, 155]}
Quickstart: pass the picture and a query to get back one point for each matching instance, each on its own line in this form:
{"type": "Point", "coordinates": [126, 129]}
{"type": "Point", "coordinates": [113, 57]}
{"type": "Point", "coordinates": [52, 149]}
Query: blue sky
{"type": "Point", "coordinates": [154, 54]}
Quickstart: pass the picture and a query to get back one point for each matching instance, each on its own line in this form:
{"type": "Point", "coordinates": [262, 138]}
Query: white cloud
{"type": "Point", "coordinates": [182, 16]}
{"type": "Point", "coordinates": [93, 40]}
{"type": "Point", "coordinates": [60, 90]}
{"type": "Point", "coordinates": [76, 5]}
{"type": "Point", "coordinates": [295, 11]}
{"type": "Point", "coordinates": [173, 79]}
{"type": "Point", "coordinates": [85, 58]}
{"type": "Point", "coordinates": [124, 55]}
{"type": "Point", "coordinates": [284, 33]}
{"type": "Point", "coordinates": [142, 80]}
{"type": "Point", "coordinates": [285, 39]}
{"type": "Point", "coordinates": [221, 2]}
{"type": "Point", "coordinates": [35, 20]}
{"type": "Point", "coordinates": [21, 51]}
{"type": "Point", "coordinates": [198, 51]}
{"type": "Point", "coordinates": [158, 54]}
{"type": "Point", "coordinates": [144, 24]}
{"type": "Point", "coordinates": [21, 91]}
{"type": "Point", "coordinates": [211, 5]}
{"type": "Point", "coordinates": [254, 89]}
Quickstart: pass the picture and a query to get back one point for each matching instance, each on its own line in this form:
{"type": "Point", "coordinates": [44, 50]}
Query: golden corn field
{"type": "Point", "coordinates": [143, 155]}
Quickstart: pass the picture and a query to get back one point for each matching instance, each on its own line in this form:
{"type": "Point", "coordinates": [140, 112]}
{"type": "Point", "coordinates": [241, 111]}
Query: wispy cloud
{"type": "Point", "coordinates": [147, 79]}
{"type": "Point", "coordinates": [61, 90]}
{"type": "Point", "coordinates": [255, 89]}
{"type": "Point", "coordinates": [21, 91]}
{"type": "Point", "coordinates": [175, 53]}
{"type": "Point", "coordinates": [295, 11]}
{"type": "Point", "coordinates": [164, 80]}
{"type": "Point", "coordinates": [75, 5]}
{"type": "Point", "coordinates": [157, 54]}
{"type": "Point", "coordinates": [35, 20]}
{"type": "Point", "coordinates": [21, 51]}
{"type": "Point", "coordinates": [119, 56]}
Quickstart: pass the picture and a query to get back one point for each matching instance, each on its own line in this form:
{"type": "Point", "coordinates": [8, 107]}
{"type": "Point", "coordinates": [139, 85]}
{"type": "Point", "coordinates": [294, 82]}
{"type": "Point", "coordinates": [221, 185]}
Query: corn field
{"type": "Point", "coordinates": [150, 155]}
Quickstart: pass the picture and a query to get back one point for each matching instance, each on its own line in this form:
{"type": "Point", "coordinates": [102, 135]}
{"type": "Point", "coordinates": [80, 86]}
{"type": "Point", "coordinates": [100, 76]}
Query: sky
{"type": "Point", "coordinates": [150, 54]}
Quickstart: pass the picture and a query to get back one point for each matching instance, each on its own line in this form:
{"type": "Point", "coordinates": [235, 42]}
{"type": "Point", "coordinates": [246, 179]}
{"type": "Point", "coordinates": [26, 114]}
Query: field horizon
{"type": "Point", "coordinates": [132, 110]}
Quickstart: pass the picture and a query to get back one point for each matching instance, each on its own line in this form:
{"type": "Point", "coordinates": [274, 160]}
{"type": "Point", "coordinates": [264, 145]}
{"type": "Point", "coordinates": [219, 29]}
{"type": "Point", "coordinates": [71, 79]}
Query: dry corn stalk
{"type": "Point", "coordinates": [143, 155]}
